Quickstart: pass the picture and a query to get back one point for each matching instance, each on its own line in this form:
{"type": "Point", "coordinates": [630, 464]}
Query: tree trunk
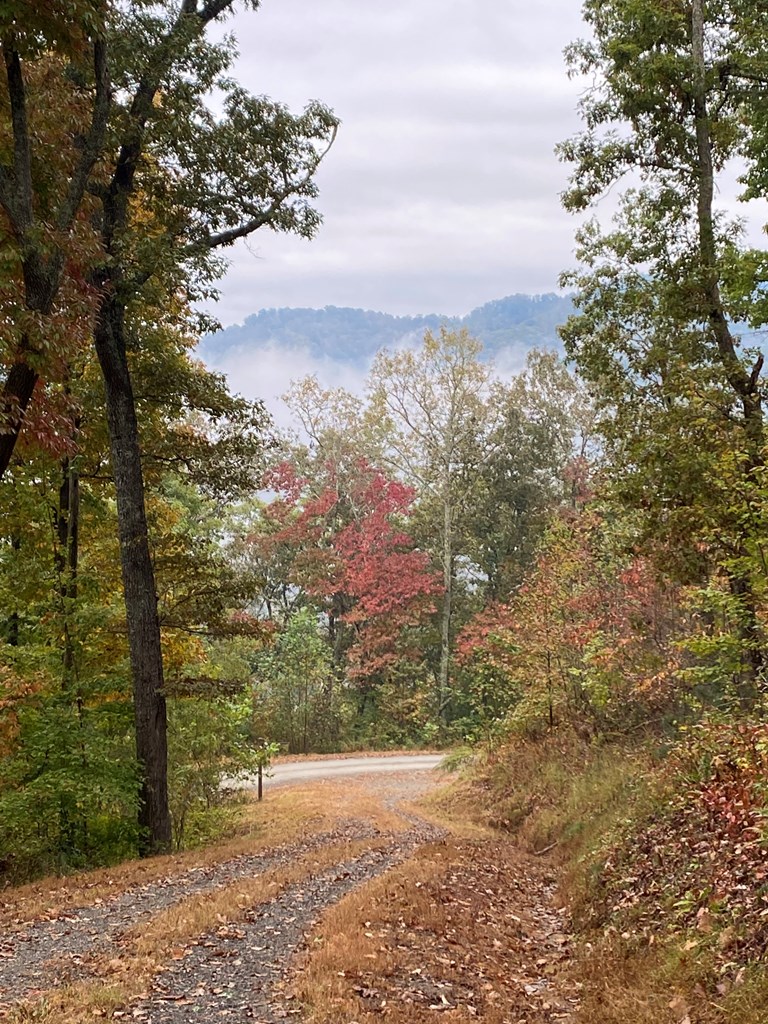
{"type": "Point", "coordinates": [750, 629]}
{"type": "Point", "coordinates": [73, 823]}
{"type": "Point", "coordinates": [13, 618]}
{"type": "Point", "coordinates": [68, 531]}
{"type": "Point", "coordinates": [443, 682]}
{"type": "Point", "coordinates": [138, 581]}
{"type": "Point", "coordinates": [41, 269]}
{"type": "Point", "coordinates": [745, 385]}
{"type": "Point", "coordinates": [17, 394]}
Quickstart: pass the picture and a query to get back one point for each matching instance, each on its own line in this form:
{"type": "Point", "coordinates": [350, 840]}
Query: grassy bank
{"type": "Point", "coordinates": [664, 865]}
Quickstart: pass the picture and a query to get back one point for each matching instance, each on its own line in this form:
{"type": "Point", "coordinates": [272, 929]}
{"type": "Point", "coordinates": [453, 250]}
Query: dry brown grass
{"type": "Point", "coordinates": [580, 798]}
{"type": "Point", "coordinates": [459, 806]}
{"type": "Point", "coordinates": [348, 949]}
{"type": "Point", "coordinates": [192, 917]}
{"type": "Point", "coordinates": [284, 816]}
{"type": "Point", "coordinates": [667, 983]}
{"type": "Point", "coordinates": [125, 974]}
{"type": "Point", "coordinates": [622, 990]}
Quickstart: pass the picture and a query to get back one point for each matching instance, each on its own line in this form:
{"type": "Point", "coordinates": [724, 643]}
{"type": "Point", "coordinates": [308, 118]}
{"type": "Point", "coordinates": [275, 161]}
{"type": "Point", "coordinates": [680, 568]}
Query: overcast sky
{"type": "Point", "coordinates": [441, 192]}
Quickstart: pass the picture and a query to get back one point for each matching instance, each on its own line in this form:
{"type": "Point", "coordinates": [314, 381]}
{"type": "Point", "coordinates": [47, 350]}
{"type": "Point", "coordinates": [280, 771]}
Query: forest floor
{"type": "Point", "coordinates": [346, 901]}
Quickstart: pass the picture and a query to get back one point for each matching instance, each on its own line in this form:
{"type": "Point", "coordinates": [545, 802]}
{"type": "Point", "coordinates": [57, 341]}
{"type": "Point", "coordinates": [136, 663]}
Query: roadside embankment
{"type": "Point", "coordinates": [663, 856]}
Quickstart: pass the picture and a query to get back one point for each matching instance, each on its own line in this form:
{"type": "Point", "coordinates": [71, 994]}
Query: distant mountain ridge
{"type": "Point", "coordinates": [353, 336]}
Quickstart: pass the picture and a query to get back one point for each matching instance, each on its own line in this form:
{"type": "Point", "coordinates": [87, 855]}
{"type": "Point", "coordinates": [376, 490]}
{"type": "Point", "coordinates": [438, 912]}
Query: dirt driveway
{"type": "Point", "coordinates": [240, 932]}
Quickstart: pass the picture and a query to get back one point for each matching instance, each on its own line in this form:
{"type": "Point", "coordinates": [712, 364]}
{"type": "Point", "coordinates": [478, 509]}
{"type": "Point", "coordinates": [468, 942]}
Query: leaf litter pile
{"type": "Point", "coordinates": [465, 931]}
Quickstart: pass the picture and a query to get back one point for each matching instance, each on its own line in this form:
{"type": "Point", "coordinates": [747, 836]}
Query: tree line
{"type": "Point", "coordinates": [446, 557]}
{"type": "Point", "coordinates": [324, 616]}
{"type": "Point", "coordinates": [389, 520]}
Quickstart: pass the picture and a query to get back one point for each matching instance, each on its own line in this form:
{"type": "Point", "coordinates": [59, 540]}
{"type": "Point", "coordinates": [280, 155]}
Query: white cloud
{"type": "Point", "coordinates": [442, 189]}
{"type": "Point", "coordinates": [267, 374]}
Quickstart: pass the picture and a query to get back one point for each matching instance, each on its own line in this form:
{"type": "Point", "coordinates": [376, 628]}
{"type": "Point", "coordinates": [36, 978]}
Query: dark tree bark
{"type": "Point", "coordinates": [42, 268]}
{"type": "Point", "coordinates": [142, 619]}
{"type": "Point", "coordinates": [13, 618]}
{"type": "Point", "coordinates": [744, 384]}
{"type": "Point", "coordinates": [73, 823]}
{"type": "Point", "coordinates": [18, 389]}
{"type": "Point", "coordinates": [68, 535]}
{"type": "Point", "coordinates": [138, 580]}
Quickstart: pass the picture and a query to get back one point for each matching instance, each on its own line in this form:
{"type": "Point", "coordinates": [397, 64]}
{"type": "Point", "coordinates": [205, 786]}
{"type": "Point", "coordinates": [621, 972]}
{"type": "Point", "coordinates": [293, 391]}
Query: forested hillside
{"type": "Point", "coordinates": [516, 323]}
{"type": "Point", "coordinates": [636, 740]}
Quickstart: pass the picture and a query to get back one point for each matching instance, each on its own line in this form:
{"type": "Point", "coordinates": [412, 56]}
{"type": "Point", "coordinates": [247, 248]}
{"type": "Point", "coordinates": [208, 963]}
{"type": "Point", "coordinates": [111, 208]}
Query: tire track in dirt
{"type": "Point", "coordinates": [236, 973]}
{"type": "Point", "coordinates": [51, 953]}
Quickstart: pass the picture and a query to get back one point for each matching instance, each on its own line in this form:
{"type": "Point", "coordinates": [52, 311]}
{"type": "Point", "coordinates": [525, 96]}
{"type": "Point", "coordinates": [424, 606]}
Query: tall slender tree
{"type": "Point", "coordinates": [661, 296]}
{"type": "Point", "coordinates": [173, 183]}
{"type": "Point", "coordinates": [435, 400]}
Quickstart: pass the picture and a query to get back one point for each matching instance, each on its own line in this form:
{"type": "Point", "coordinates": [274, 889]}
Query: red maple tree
{"type": "Point", "coordinates": [349, 548]}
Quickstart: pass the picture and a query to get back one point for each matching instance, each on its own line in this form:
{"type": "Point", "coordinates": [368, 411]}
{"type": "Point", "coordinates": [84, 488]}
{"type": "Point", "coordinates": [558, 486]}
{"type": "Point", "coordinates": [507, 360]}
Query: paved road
{"type": "Point", "coordinates": [303, 771]}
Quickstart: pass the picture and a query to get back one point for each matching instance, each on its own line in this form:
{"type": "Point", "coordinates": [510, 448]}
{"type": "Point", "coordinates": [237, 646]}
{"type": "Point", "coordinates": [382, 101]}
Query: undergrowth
{"type": "Point", "coordinates": [665, 865]}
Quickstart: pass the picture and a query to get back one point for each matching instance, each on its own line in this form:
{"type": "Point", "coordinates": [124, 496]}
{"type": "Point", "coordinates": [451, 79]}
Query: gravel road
{"type": "Point", "coordinates": [309, 770]}
{"type": "Point", "coordinates": [51, 953]}
{"type": "Point", "coordinates": [219, 974]}
{"type": "Point", "coordinates": [236, 973]}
